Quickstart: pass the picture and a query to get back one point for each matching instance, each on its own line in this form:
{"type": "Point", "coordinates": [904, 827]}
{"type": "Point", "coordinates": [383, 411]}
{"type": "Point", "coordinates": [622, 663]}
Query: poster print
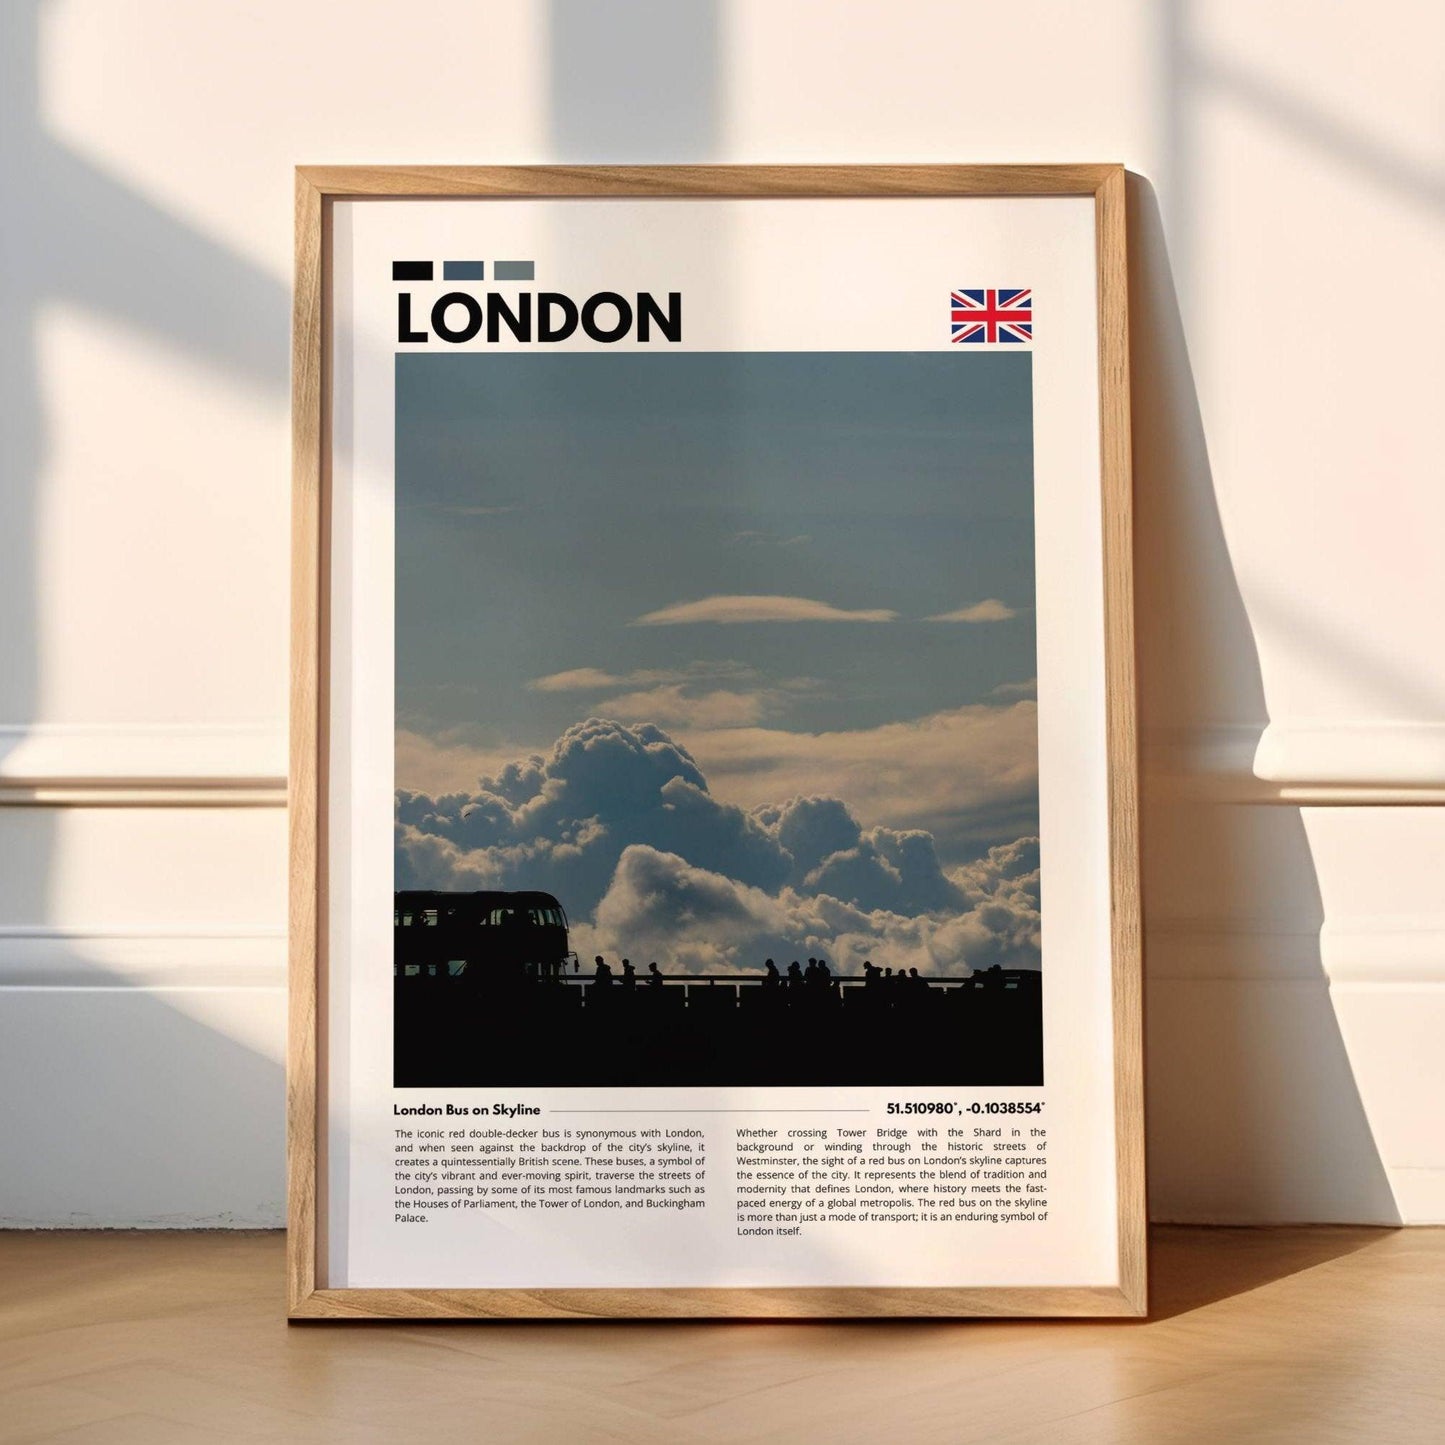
{"type": "Point", "coordinates": [723, 893]}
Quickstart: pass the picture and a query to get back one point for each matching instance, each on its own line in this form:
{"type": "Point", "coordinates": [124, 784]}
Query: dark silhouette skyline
{"type": "Point", "coordinates": [488, 994]}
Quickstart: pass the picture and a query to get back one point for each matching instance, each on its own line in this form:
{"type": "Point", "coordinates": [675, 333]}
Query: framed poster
{"type": "Point", "coordinates": [714, 855]}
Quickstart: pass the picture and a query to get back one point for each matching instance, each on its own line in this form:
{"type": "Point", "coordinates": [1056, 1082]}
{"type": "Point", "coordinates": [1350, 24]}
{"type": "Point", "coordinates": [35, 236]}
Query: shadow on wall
{"type": "Point", "coordinates": [1254, 1114]}
{"type": "Point", "coordinates": [1250, 1090]}
{"type": "Point", "coordinates": [79, 237]}
{"type": "Point", "coordinates": [89, 1040]}
{"type": "Point", "coordinates": [660, 72]}
{"type": "Point", "coordinates": [145, 1110]}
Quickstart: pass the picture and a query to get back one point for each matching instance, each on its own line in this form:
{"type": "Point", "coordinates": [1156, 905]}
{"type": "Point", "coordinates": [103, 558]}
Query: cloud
{"type": "Point", "coordinates": [757, 609]}
{"type": "Point", "coordinates": [989, 610]}
{"type": "Point", "coordinates": [969, 775]}
{"type": "Point", "coordinates": [672, 704]}
{"type": "Point", "coordinates": [832, 854]}
{"type": "Point", "coordinates": [562, 822]}
{"type": "Point", "coordinates": [704, 695]}
{"type": "Point", "coordinates": [577, 679]}
{"type": "Point", "coordinates": [619, 822]}
{"type": "Point", "coordinates": [444, 763]}
{"type": "Point", "coordinates": [1016, 689]}
{"type": "Point", "coordinates": [595, 679]}
{"type": "Point", "coordinates": [1009, 868]}
{"type": "Point", "coordinates": [661, 907]}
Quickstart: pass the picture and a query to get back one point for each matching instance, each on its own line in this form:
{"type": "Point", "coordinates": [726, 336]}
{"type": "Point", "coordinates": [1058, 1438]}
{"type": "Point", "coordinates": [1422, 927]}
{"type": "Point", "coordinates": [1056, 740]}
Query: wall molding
{"type": "Point", "coordinates": [143, 793]}
{"type": "Point", "coordinates": [1361, 764]}
{"type": "Point", "coordinates": [1350, 952]}
{"type": "Point", "coordinates": [45, 956]}
{"type": "Point", "coordinates": [52, 765]}
{"type": "Point", "coordinates": [1353, 754]}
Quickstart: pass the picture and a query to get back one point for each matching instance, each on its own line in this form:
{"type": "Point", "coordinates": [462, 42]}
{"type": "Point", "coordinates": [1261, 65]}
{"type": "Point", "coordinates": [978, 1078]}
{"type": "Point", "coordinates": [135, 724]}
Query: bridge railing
{"type": "Point", "coordinates": [721, 989]}
{"type": "Point", "coordinates": [714, 988]}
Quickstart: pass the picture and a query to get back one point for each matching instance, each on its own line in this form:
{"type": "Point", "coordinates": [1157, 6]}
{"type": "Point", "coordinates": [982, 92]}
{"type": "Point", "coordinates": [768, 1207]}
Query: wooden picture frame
{"type": "Point", "coordinates": [317, 189]}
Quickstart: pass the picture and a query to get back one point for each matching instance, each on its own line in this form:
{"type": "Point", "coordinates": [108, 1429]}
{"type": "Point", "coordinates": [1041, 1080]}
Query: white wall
{"type": "Point", "coordinates": [1288, 370]}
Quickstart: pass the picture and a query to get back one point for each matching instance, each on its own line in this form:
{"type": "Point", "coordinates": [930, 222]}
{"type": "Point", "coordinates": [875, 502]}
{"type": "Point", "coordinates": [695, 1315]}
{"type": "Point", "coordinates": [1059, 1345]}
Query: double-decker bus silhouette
{"type": "Point", "coordinates": [484, 937]}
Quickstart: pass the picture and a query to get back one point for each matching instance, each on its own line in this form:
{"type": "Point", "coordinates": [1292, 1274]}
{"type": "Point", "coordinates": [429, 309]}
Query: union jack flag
{"type": "Point", "coordinates": [988, 316]}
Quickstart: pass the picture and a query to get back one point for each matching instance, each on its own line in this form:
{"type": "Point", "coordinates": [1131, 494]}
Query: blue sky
{"type": "Point", "coordinates": [545, 503]}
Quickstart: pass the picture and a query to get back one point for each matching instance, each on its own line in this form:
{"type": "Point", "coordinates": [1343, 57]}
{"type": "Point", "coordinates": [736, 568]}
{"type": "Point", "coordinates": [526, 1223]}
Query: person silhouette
{"type": "Point", "coordinates": [629, 974]}
{"type": "Point", "coordinates": [654, 975]}
{"type": "Point", "coordinates": [771, 977]}
{"type": "Point", "coordinates": [603, 976]}
{"type": "Point", "coordinates": [795, 974]}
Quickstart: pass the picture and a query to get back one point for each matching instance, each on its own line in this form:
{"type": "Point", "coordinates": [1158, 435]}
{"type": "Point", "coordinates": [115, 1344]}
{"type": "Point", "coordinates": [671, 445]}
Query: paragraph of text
{"type": "Point", "coordinates": [518, 1168]}
{"type": "Point", "coordinates": [789, 1179]}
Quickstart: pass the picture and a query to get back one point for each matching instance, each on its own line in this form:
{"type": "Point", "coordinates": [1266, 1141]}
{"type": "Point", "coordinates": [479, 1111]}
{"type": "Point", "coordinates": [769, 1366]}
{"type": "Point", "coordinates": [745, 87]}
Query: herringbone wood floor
{"type": "Point", "coordinates": [1309, 1335]}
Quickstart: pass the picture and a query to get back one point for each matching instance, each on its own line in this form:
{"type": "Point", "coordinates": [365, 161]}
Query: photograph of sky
{"type": "Point", "coordinates": [732, 652]}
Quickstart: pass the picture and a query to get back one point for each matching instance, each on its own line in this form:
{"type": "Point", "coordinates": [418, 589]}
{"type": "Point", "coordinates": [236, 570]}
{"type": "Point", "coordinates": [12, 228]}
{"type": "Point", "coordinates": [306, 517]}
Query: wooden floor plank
{"type": "Point", "coordinates": [1314, 1335]}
